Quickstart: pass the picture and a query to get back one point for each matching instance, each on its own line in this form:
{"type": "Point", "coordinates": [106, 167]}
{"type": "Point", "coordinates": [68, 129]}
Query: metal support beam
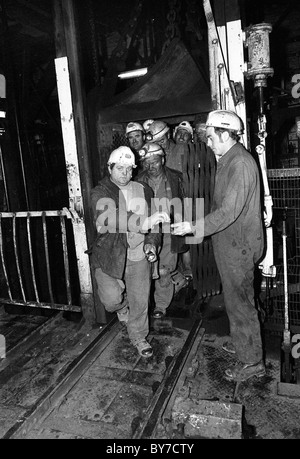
{"type": "Point", "coordinates": [76, 142]}
{"type": "Point", "coordinates": [226, 58]}
{"type": "Point", "coordinates": [74, 185]}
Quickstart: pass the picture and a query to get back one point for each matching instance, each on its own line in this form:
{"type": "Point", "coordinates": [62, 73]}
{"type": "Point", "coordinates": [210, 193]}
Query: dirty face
{"type": "Point", "coordinates": [216, 141]}
{"type": "Point", "coordinates": [164, 141]}
{"type": "Point", "coordinates": [120, 174]}
{"type": "Point", "coordinates": [200, 131]}
{"type": "Point", "coordinates": [135, 139]}
{"type": "Point", "coordinates": [183, 136]}
{"type": "Point", "coordinates": [154, 165]}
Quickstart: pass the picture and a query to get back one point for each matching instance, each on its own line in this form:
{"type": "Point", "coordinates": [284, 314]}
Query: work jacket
{"type": "Point", "coordinates": [175, 181]}
{"type": "Point", "coordinates": [235, 220]}
{"type": "Point", "coordinates": [109, 250]}
{"type": "Point", "coordinates": [175, 155]}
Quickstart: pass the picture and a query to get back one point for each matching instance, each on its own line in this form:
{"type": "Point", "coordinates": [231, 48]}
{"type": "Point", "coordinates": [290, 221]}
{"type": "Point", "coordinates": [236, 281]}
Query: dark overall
{"type": "Point", "coordinates": [235, 223]}
{"type": "Point", "coordinates": [171, 186]}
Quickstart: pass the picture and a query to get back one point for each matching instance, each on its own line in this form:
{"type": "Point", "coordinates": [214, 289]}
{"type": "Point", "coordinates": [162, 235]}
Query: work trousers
{"type": "Point", "coordinates": [164, 287]}
{"type": "Point", "coordinates": [236, 268]}
{"type": "Point", "coordinates": [132, 291]}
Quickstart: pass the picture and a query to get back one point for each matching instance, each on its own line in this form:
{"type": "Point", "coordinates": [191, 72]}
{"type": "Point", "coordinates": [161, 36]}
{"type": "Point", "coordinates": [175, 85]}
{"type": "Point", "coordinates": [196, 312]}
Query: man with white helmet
{"type": "Point", "coordinates": [159, 132]}
{"type": "Point", "coordinates": [146, 125]}
{"type": "Point", "coordinates": [167, 185]}
{"type": "Point", "coordinates": [121, 211]}
{"type": "Point", "coordinates": [136, 136]}
{"type": "Point", "coordinates": [183, 133]}
{"type": "Point", "coordinates": [235, 224]}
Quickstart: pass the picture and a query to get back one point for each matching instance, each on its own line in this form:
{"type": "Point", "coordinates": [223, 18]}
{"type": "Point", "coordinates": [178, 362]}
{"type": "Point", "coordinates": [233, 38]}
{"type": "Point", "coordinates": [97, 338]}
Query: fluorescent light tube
{"type": "Point", "coordinates": [133, 73]}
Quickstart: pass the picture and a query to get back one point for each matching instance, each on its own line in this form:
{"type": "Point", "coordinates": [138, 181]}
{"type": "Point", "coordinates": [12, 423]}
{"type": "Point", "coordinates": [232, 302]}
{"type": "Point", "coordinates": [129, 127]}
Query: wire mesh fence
{"type": "Point", "coordinates": [285, 190]}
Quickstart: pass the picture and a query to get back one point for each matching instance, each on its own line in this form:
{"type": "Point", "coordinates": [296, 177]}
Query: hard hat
{"type": "Point", "coordinates": [122, 155]}
{"type": "Point", "coordinates": [132, 126]}
{"type": "Point", "coordinates": [156, 131]}
{"type": "Point", "coordinates": [225, 119]}
{"type": "Point", "coordinates": [184, 125]}
{"type": "Point", "coordinates": [150, 149]}
{"type": "Point", "coordinates": [146, 124]}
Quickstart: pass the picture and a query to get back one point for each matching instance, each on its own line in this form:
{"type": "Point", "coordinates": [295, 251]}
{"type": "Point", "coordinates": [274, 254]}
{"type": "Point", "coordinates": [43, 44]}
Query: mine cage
{"type": "Point", "coordinates": [198, 176]}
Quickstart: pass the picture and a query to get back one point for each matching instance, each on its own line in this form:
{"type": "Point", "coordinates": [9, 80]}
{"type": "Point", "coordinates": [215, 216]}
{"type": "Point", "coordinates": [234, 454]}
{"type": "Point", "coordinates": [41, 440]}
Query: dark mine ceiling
{"type": "Point", "coordinates": [28, 45]}
{"type": "Point", "coordinates": [27, 25]}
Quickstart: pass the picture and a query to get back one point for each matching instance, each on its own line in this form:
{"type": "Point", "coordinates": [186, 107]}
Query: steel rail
{"type": "Point", "coordinates": [54, 394]}
{"type": "Point", "coordinates": [166, 388]}
{"type": "Point", "coordinates": [164, 395]}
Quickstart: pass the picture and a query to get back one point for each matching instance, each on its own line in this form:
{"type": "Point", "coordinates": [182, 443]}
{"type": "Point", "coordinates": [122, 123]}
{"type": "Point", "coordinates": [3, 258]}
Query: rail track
{"type": "Point", "coordinates": [34, 420]}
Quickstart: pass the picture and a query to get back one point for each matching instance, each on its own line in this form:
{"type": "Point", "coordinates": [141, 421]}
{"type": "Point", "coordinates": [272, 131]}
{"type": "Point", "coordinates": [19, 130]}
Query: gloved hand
{"type": "Point", "coordinates": [150, 252]}
{"type": "Point", "coordinates": [154, 219]}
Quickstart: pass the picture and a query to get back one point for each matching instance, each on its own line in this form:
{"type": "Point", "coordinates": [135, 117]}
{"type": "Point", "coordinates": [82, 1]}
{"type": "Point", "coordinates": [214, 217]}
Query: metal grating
{"type": "Point", "coordinates": [285, 191]}
{"type": "Point", "coordinates": [198, 177]}
{"type": "Point", "coordinates": [37, 261]}
{"type": "Point", "coordinates": [110, 138]}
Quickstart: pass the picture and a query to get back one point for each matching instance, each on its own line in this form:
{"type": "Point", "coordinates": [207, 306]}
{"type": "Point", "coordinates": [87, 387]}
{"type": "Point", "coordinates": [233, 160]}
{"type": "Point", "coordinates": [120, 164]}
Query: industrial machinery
{"type": "Point", "coordinates": [257, 41]}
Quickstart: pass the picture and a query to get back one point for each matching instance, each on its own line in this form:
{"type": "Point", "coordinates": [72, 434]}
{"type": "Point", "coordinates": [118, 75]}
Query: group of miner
{"type": "Point", "coordinates": [144, 248]}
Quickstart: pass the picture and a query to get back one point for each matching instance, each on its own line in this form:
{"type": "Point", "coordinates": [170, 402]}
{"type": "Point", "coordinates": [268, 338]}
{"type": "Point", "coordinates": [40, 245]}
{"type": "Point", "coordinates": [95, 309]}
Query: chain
{"type": "Point", "coordinates": [93, 41]}
{"type": "Point", "coordinates": [172, 29]}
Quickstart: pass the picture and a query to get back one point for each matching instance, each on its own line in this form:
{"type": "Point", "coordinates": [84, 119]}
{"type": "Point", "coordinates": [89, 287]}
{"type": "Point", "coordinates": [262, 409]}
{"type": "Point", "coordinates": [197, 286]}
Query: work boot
{"type": "Point", "coordinates": [144, 349]}
{"type": "Point", "coordinates": [158, 314]}
{"type": "Point", "coordinates": [242, 371]}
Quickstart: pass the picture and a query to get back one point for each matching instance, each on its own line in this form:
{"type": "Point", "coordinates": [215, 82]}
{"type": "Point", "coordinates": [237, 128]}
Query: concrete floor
{"type": "Point", "coordinates": [267, 415]}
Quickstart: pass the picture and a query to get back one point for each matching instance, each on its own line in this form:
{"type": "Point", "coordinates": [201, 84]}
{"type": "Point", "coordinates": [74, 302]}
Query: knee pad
{"type": "Point", "coordinates": [179, 280]}
{"type": "Point", "coordinates": [165, 277]}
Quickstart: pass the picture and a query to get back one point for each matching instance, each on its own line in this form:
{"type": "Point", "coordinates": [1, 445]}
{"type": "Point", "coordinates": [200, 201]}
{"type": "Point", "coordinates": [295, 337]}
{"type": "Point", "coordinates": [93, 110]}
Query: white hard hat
{"type": "Point", "coordinates": [156, 131]}
{"type": "Point", "coordinates": [225, 119]}
{"type": "Point", "coordinates": [184, 125]}
{"type": "Point", "coordinates": [122, 155]}
{"type": "Point", "coordinates": [132, 126]}
{"type": "Point", "coordinates": [146, 124]}
{"type": "Point", "coordinates": [150, 149]}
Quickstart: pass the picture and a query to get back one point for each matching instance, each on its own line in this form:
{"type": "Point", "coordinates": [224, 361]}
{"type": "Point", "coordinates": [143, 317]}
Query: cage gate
{"type": "Point", "coordinates": [38, 265]}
